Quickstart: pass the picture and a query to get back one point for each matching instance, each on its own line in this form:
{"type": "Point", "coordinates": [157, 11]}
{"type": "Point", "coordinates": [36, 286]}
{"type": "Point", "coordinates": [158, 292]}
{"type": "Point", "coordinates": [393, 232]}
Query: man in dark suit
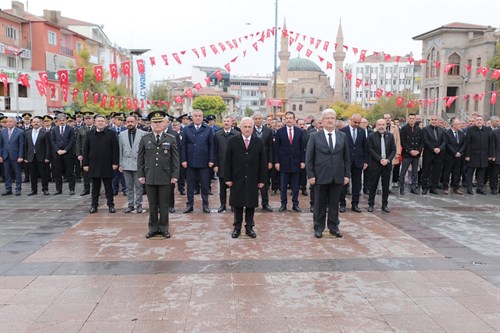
{"type": "Point", "coordinates": [62, 141]}
{"type": "Point", "coordinates": [11, 155]}
{"type": "Point", "coordinates": [476, 154]}
{"type": "Point", "coordinates": [117, 125]}
{"type": "Point", "coordinates": [158, 168]}
{"type": "Point", "coordinates": [366, 172]}
{"type": "Point", "coordinates": [266, 135]}
{"type": "Point", "coordinates": [495, 158]}
{"type": "Point", "coordinates": [433, 156]}
{"type": "Point", "coordinates": [169, 123]}
{"type": "Point", "coordinates": [359, 161]}
{"type": "Point", "coordinates": [87, 126]}
{"type": "Point", "coordinates": [454, 140]}
{"type": "Point", "coordinates": [197, 157]}
{"type": "Point", "coordinates": [382, 149]}
{"type": "Point", "coordinates": [245, 173]}
{"type": "Point", "coordinates": [328, 168]}
{"type": "Point", "coordinates": [221, 139]}
{"type": "Point", "coordinates": [37, 150]}
{"type": "Point", "coordinates": [412, 144]}
{"type": "Point", "coordinates": [289, 160]}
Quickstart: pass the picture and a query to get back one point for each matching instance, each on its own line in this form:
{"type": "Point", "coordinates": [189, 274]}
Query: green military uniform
{"type": "Point", "coordinates": [80, 139]}
{"type": "Point", "coordinates": [158, 162]}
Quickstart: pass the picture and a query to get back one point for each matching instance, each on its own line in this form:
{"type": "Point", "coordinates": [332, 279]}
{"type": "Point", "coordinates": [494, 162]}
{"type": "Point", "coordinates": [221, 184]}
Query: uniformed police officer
{"type": "Point", "coordinates": [158, 167]}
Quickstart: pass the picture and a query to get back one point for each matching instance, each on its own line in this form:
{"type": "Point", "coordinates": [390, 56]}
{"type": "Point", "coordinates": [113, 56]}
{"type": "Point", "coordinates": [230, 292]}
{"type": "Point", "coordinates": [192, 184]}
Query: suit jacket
{"type": "Point", "coordinates": [158, 163]}
{"type": "Point", "coordinates": [12, 148]}
{"type": "Point", "coordinates": [245, 168]}
{"type": "Point", "coordinates": [452, 147]}
{"type": "Point", "coordinates": [41, 148]}
{"type": "Point", "coordinates": [289, 156]}
{"type": "Point", "coordinates": [495, 145]}
{"type": "Point", "coordinates": [128, 154]}
{"type": "Point", "coordinates": [395, 131]}
{"type": "Point", "coordinates": [411, 139]}
{"type": "Point", "coordinates": [374, 140]}
{"type": "Point", "coordinates": [221, 140]}
{"type": "Point", "coordinates": [80, 138]}
{"type": "Point", "coordinates": [476, 146]}
{"type": "Point", "coordinates": [197, 146]}
{"type": "Point", "coordinates": [100, 153]}
{"type": "Point", "coordinates": [327, 165]}
{"type": "Point", "coordinates": [267, 138]}
{"type": "Point", "coordinates": [358, 149]}
{"type": "Point", "coordinates": [430, 141]}
{"type": "Point", "coordinates": [67, 142]}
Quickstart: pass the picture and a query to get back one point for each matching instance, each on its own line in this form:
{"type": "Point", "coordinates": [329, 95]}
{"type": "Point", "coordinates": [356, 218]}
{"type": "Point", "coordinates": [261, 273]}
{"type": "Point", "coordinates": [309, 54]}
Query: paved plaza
{"type": "Point", "coordinates": [431, 265]}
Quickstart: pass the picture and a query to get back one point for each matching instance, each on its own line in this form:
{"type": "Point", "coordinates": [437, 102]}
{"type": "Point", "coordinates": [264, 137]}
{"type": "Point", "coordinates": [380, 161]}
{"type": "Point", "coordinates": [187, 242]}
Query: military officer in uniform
{"type": "Point", "coordinates": [158, 167]}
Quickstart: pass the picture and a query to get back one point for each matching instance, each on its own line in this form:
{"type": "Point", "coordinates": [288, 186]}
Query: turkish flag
{"type": "Point", "coordinates": [24, 80]}
{"type": "Point", "coordinates": [96, 97]}
{"type": "Point", "coordinates": [397, 58]}
{"type": "Point", "coordinates": [198, 86]}
{"type": "Point", "coordinates": [341, 70]}
{"type": "Point", "coordinates": [214, 49]}
{"type": "Point", "coordinates": [152, 60]}
{"type": "Point", "coordinates": [218, 74]}
{"type": "Point", "coordinates": [44, 77]}
{"type": "Point", "coordinates": [423, 61]}
{"type": "Point", "coordinates": [346, 48]}
{"type": "Point", "coordinates": [189, 93]}
{"type": "Point", "coordinates": [299, 47]}
{"type": "Point", "coordinates": [113, 69]}
{"type": "Point", "coordinates": [104, 99]}
{"type": "Point", "coordinates": [355, 50]}
{"type": "Point", "coordinates": [63, 77]}
{"type": "Point", "coordinates": [178, 99]}
{"type": "Point", "coordinates": [450, 101]}
{"type": "Point", "coordinates": [290, 41]}
{"type": "Point", "coordinates": [438, 64]}
{"type": "Point", "coordinates": [227, 67]}
{"type": "Point", "coordinates": [496, 74]}
{"type": "Point", "coordinates": [235, 43]}
{"type": "Point", "coordinates": [379, 93]}
{"type": "Point", "coordinates": [222, 47]}
{"type": "Point", "coordinates": [389, 94]}
{"type": "Point", "coordinates": [80, 71]}
{"type": "Point", "coordinates": [165, 59]}
{"type": "Point", "coordinates": [120, 102]}
{"type": "Point", "coordinates": [325, 46]}
{"type": "Point", "coordinates": [493, 98]}
{"type": "Point", "coordinates": [387, 57]}
{"type": "Point", "coordinates": [362, 55]}
{"type": "Point", "coordinates": [65, 93]}
{"type": "Point", "coordinates": [207, 80]}
{"type": "Point", "coordinates": [329, 65]}
{"type": "Point", "coordinates": [234, 59]}
{"type": "Point", "coordinates": [195, 51]}
{"type": "Point", "coordinates": [484, 71]}
{"type": "Point", "coordinates": [203, 51]}
{"type": "Point", "coordinates": [349, 76]}
{"type": "Point", "coordinates": [86, 95]}
{"type": "Point", "coordinates": [136, 104]}
{"type": "Point", "coordinates": [52, 88]}
{"type": "Point", "coordinates": [126, 68]}
{"type": "Point", "coordinates": [409, 104]}
{"type": "Point", "coordinates": [358, 82]}
{"type": "Point", "coordinates": [140, 66]}
{"type": "Point", "coordinates": [112, 101]}
{"type": "Point", "coordinates": [98, 73]}
{"type": "Point", "coordinates": [466, 97]}
{"type": "Point", "coordinates": [448, 67]}
{"type": "Point", "coordinates": [255, 46]}
{"type": "Point", "coordinates": [399, 101]}
{"type": "Point", "coordinates": [229, 44]}
{"type": "Point", "coordinates": [411, 60]}
{"type": "Point", "coordinates": [176, 57]}
{"type": "Point", "coordinates": [308, 53]}
{"type": "Point", "coordinates": [468, 68]}
{"type": "Point", "coordinates": [74, 93]}
{"type": "Point", "coordinates": [129, 104]}
{"type": "Point", "coordinates": [318, 42]}
{"type": "Point", "coordinates": [321, 58]}
{"type": "Point", "coordinates": [40, 86]}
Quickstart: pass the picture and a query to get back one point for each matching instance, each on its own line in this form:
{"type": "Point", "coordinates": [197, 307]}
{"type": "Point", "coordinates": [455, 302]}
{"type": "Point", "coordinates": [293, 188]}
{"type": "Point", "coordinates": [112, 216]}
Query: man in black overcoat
{"type": "Point", "coordinates": [495, 158]}
{"type": "Point", "coordinates": [476, 154]}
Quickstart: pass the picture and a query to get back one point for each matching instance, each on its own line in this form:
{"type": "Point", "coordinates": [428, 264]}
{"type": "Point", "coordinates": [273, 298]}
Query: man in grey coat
{"type": "Point", "coordinates": [328, 166]}
{"type": "Point", "coordinates": [129, 149]}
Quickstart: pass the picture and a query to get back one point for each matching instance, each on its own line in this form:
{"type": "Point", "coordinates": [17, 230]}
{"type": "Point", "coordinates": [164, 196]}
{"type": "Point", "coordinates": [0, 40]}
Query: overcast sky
{"type": "Point", "coordinates": [173, 26]}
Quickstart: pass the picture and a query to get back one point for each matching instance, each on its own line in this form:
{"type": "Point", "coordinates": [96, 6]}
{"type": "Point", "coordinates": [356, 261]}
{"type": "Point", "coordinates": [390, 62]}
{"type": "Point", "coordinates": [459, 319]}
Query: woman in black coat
{"type": "Point", "coordinates": [245, 172]}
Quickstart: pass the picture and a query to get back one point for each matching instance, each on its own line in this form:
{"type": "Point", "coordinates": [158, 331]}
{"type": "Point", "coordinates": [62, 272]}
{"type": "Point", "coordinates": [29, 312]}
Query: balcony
{"type": "Point", "coordinates": [66, 51]}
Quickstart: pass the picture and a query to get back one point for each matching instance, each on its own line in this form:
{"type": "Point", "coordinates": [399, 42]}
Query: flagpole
{"type": "Point", "coordinates": [275, 53]}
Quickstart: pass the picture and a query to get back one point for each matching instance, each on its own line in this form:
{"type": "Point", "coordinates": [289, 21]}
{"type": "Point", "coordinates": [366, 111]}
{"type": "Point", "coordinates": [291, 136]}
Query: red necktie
{"type": "Point", "coordinates": [290, 135]}
{"type": "Point", "coordinates": [246, 144]}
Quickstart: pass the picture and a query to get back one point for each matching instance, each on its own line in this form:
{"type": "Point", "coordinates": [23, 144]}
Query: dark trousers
{"type": "Point", "coordinates": [407, 161]}
{"type": "Point", "coordinates": [480, 172]}
{"type": "Point", "coordinates": [222, 191]}
{"type": "Point", "coordinates": [37, 170]}
{"type": "Point", "coordinates": [64, 162]}
{"type": "Point", "coordinates": [432, 165]}
{"type": "Point", "coordinates": [327, 196]}
{"type": "Point", "coordinates": [158, 203]}
{"type": "Point", "coordinates": [181, 183]}
{"type": "Point", "coordinates": [453, 168]}
{"type": "Point", "coordinates": [275, 179]}
{"type": "Point", "coordinates": [118, 180]}
{"type": "Point", "coordinates": [495, 170]}
{"type": "Point", "coordinates": [312, 195]}
{"type": "Point", "coordinates": [366, 179]}
{"type": "Point", "coordinates": [303, 180]}
{"type": "Point", "coordinates": [395, 172]}
{"type": "Point", "coordinates": [96, 191]}
{"type": "Point", "coordinates": [291, 178]}
{"type": "Point", "coordinates": [375, 174]}
{"type": "Point", "coordinates": [238, 217]}
{"type": "Point", "coordinates": [171, 196]}
{"type": "Point", "coordinates": [203, 176]}
{"type": "Point", "coordinates": [356, 187]}
{"type": "Point", "coordinates": [26, 170]}
{"type": "Point", "coordinates": [12, 167]}
{"type": "Point", "coordinates": [86, 181]}
{"type": "Point", "coordinates": [264, 193]}
{"type": "Point", "coordinates": [78, 168]}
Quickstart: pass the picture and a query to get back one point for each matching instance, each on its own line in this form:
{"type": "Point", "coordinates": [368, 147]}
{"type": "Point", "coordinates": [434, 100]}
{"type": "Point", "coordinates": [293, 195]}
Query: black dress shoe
{"type": "Point", "coordinates": [171, 210]}
{"type": "Point", "coordinates": [182, 192]}
{"type": "Point", "coordinates": [221, 209]}
{"type": "Point", "coordinates": [18, 194]}
{"type": "Point", "coordinates": [124, 194]}
{"type": "Point", "coordinates": [391, 192]}
{"type": "Point", "coordinates": [318, 234]}
{"type": "Point", "coordinates": [337, 233]}
{"type": "Point", "coordinates": [267, 208]}
{"type": "Point", "coordinates": [250, 233]}
{"type": "Point", "coordinates": [112, 209]}
{"type": "Point", "coordinates": [433, 191]}
{"type": "Point", "coordinates": [402, 192]}
{"type": "Point", "coordinates": [356, 209]}
{"type": "Point", "coordinates": [366, 192]}
{"type": "Point", "coordinates": [370, 209]}
{"type": "Point", "coordinates": [151, 234]}
{"type": "Point", "coordinates": [6, 193]}
{"type": "Point", "coordinates": [115, 193]}
{"type": "Point", "coordinates": [129, 209]}
{"type": "Point", "coordinates": [296, 209]}
{"type": "Point", "coordinates": [304, 192]}
{"type": "Point", "coordinates": [26, 180]}
{"type": "Point", "coordinates": [311, 209]}
{"type": "Point", "coordinates": [424, 191]}
{"type": "Point", "coordinates": [470, 192]}
{"type": "Point", "coordinates": [206, 210]}
{"type": "Point", "coordinates": [282, 208]}
{"type": "Point", "coordinates": [45, 192]}
{"type": "Point", "coordinates": [32, 193]}
{"type": "Point", "coordinates": [187, 210]}
{"type": "Point", "coordinates": [58, 193]}
{"type": "Point", "coordinates": [481, 192]}
{"type": "Point", "coordinates": [236, 233]}
{"type": "Point", "coordinates": [197, 192]}
{"type": "Point", "coordinates": [139, 209]}
{"type": "Point", "coordinates": [85, 193]}
{"type": "Point", "coordinates": [72, 192]}
{"type": "Point", "coordinates": [273, 192]}
{"type": "Point", "coordinates": [385, 209]}
{"type": "Point", "coordinates": [342, 209]}
{"type": "Point", "coordinates": [165, 234]}
{"type": "Point", "coordinates": [210, 192]}
{"type": "Point", "coordinates": [412, 191]}
{"type": "Point", "coordinates": [93, 210]}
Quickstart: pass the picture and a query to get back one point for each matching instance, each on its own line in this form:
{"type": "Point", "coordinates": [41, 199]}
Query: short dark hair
{"type": "Point", "coordinates": [412, 114]}
{"type": "Point", "coordinates": [290, 112]}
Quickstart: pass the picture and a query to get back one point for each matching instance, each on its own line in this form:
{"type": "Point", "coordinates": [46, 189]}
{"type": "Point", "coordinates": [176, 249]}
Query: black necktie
{"type": "Point", "coordinates": [330, 141]}
{"type": "Point", "coordinates": [456, 136]}
{"type": "Point", "coordinates": [157, 138]}
{"type": "Point", "coordinates": [131, 137]}
{"type": "Point", "coordinates": [435, 133]}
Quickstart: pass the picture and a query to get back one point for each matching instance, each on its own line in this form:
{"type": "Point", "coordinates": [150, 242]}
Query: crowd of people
{"type": "Point", "coordinates": [162, 156]}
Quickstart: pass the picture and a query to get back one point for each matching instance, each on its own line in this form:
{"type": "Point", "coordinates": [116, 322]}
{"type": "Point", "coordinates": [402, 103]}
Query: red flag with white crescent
{"type": "Point", "coordinates": [349, 76]}
{"type": "Point", "coordinates": [198, 86]}
{"type": "Point", "coordinates": [362, 55]}
{"type": "Point", "coordinates": [389, 94]}
{"type": "Point", "coordinates": [399, 101]}
{"type": "Point", "coordinates": [214, 49]}
{"type": "Point", "coordinates": [355, 50]}
{"type": "Point", "coordinates": [98, 73]}
{"type": "Point", "coordinates": [129, 103]}
{"type": "Point", "coordinates": [203, 51]}
{"type": "Point", "coordinates": [448, 67]}
{"type": "Point", "coordinates": [136, 103]}
{"type": "Point", "coordinates": [112, 101]}
{"type": "Point", "coordinates": [44, 77]}
{"type": "Point", "coordinates": [438, 64]}
{"type": "Point", "coordinates": [450, 101]}
{"type": "Point", "coordinates": [74, 93]}
{"type": "Point", "coordinates": [358, 82]}
{"type": "Point", "coordinates": [227, 67]}
{"type": "Point", "coordinates": [52, 88]}
{"type": "Point", "coordinates": [126, 68]}
{"type": "Point", "coordinates": [496, 74]}
{"type": "Point", "coordinates": [80, 71]}
{"type": "Point", "coordinates": [308, 53]}
{"type": "Point", "coordinates": [493, 98]}
{"type": "Point", "coordinates": [104, 99]}
{"type": "Point", "coordinates": [325, 46]}
{"type": "Point", "coordinates": [318, 42]}
{"type": "Point", "coordinates": [235, 43]}
{"type": "Point", "coordinates": [409, 104]}
{"type": "Point", "coordinates": [5, 81]}
{"type": "Point", "coordinates": [178, 99]}
{"type": "Point", "coordinates": [379, 93]}
{"type": "Point", "coordinates": [329, 65]}
{"type": "Point", "coordinates": [152, 60]}
{"type": "Point", "coordinates": [140, 66]}
{"type": "Point", "coordinates": [40, 86]}
{"type": "Point", "coordinates": [113, 69]}
{"type": "Point", "coordinates": [222, 47]}
{"type": "Point", "coordinates": [65, 93]}
{"type": "Point", "coordinates": [63, 77]}
{"type": "Point", "coordinates": [176, 57]}
{"type": "Point", "coordinates": [189, 93]}
{"type": "Point", "coordinates": [86, 95]}
{"type": "Point", "coordinates": [195, 51]}
{"type": "Point", "coordinates": [229, 44]}
{"type": "Point", "coordinates": [96, 97]}
{"type": "Point", "coordinates": [207, 80]}
{"type": "Point", "coordinates": [165, 59]}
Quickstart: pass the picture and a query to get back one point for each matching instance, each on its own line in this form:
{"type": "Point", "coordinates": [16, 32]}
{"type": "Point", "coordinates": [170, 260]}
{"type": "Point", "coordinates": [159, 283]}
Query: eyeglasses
{"type": "Point", "coordinates": [356, 122]}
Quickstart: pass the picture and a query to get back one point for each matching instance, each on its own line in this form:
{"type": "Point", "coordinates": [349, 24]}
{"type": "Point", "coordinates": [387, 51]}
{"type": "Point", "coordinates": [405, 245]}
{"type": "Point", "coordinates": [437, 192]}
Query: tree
{"type": "Point", "coordinates": [340, 109]}
{"type": "Point", "coordinates": [248, 112]}
{"type": "Point", "coordinates": [161, 91]}
{"type": "Point", "coordinates": [389, 105]}
{"type": "Point", "coordinates": [494, 63]}
{"type": "Point", "coordinates": [210, 105]}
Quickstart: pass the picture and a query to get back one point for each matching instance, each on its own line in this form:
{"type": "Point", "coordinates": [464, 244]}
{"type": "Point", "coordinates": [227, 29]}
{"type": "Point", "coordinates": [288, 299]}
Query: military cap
{"type": "Point", "coordinates": [211, 117]}
{"type": "Point", "coordinates": [2, 116]}
{"type": "Point", "coordinates": [88, 114]}
{"type": "Point", "coordinates": [56, 112]}
{"type": "Point", "coordinates": [47, 117]}
{"type": "Point", "coordinates": [26, 115]}
{"type": "Point", "coordinates": [156, 116]}
{"type": "Point", "coordinates": [185, 115]}
{"type": "Point", "coordinates": [135, 113]}
{"type": "Point", "coordinates": [119, 116]}
{"type": "Point", "coordinates": [38, 117]}
{"type": "Point", "coordinates": [171, 118]}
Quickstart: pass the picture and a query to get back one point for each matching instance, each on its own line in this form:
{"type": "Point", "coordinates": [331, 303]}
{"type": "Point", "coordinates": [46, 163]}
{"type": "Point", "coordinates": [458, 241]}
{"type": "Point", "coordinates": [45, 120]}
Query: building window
{"type": "Point", "coordinates": [79, 46]}
{"type": "Point", "coordinates": [10, 32]}
{"type": "Point", "coordinates": [467, 104]}
{"type": "Point", "coordinates": [476, 105]}
{"type": "Point", "coordinates": [311, 91]}
{"type": "Point", "coordinates": [23, 90]}
{"type": "Point", "coordinates": [300, 107]}
{"type": "Point", "coordinates": [303, 91]}
{"type": "Point", "coordinates": [52, 38]}
{"type": "Point", "coordinates": [320, 108]}
{"type": "Point", "coordinates": [454, 59]}
{"type": "Point", "coordinates": [294, 107]}
{"type": "Point", "coordinates": [11, 62]}
{"type": "Point", "coordinates": [478, 66]}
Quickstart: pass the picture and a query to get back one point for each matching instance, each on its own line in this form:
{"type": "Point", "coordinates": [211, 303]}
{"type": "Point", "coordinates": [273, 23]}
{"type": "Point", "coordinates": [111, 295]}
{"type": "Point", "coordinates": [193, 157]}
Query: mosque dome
{"type": "Point", "coordinates": [302, 65]}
